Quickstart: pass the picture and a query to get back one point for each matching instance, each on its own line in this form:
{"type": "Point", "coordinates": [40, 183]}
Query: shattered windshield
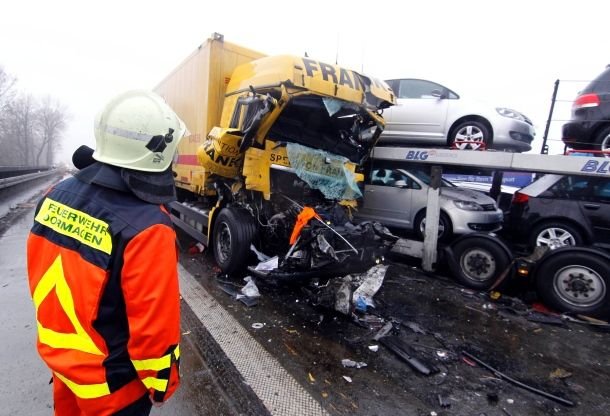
{"type": "Point", "coordinates": [329, 124]}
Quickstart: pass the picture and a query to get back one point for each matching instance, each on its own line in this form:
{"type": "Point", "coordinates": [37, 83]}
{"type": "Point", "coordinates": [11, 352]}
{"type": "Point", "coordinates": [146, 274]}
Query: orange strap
{"type": "Point", "coordinates": [302, 219]}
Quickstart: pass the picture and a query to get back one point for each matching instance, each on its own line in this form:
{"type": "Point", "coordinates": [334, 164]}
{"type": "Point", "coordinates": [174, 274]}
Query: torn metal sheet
{"type": "Point", "coordinates": [323, 171]}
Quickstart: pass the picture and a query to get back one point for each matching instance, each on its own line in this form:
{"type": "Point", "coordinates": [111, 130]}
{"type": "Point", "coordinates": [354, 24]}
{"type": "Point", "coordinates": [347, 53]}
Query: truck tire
{"type": "Point", "coordinates": [576, 281]}
{"type": "Point", "coordinates": [479, 262]}
{"type": "Point", "coordinates": [234, 231]}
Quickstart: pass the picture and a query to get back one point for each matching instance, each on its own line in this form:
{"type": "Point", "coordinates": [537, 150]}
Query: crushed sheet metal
{"type": "Point", "coordinates": [279, 391]}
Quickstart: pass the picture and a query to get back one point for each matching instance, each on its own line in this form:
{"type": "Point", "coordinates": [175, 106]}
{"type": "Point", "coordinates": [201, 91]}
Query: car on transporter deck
{"type": "Point", "coordinates": [589, 127]}
{"type": "Point", "coordinates": [562, 210]}
{"type": "Point", "coordinates": [397, 197]}
{"type": "Point", "coordinates": [430, 114]}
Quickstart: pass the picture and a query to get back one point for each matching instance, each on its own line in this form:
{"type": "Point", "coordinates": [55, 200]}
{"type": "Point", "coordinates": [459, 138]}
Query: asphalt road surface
{"type": "Point", "coordinates": [284, 355]}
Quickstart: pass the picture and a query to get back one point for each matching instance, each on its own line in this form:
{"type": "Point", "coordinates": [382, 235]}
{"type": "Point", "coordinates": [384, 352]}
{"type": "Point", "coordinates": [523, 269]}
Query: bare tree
{"type": "Point", "coordinates": [20, 132]}
{"type": "Point", "coordinates": [30, 131]}
{"type": "Point", "coordinates": [7, 91]}
{"type": "Point", "coordinates": [51, 123]}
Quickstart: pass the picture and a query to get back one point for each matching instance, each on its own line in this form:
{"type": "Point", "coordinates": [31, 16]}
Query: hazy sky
{"type": "Point", "coordinates": [505, 53]}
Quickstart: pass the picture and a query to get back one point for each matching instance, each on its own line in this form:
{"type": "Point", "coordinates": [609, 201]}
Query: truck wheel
{"type": "Point", "coordinates": [480, 262]}
{"type": "Point", "coordinates": [472, 135]}
{"type": "Point", "coordinates": [576, 282]}
{"type": "Point", "coordinates": [234, 231]}
{"type": "Point", "coordinates": [445, 230]}
{"type": "Point", "coordinates": [555, 235]}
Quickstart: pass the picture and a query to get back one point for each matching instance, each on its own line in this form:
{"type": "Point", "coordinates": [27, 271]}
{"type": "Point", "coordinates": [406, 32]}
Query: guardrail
{"type": "Point", "coordinates": [16, 180]}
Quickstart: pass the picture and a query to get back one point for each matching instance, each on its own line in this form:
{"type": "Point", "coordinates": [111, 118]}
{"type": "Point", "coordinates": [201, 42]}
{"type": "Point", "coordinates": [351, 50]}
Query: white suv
{"type": "Point", "coordinates": [430, 114]}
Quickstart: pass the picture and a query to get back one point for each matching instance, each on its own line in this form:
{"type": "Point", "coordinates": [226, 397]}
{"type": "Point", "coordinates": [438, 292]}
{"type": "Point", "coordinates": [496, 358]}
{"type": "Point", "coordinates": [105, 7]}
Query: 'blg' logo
{"type": "Point", "coordinates": [595, 166]}
{"type": "Point", "coordinates": [417, 155]}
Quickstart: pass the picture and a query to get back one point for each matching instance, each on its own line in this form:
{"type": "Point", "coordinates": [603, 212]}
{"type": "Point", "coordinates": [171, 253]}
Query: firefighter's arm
{"type": "Point", "coordinates": [150, 286]}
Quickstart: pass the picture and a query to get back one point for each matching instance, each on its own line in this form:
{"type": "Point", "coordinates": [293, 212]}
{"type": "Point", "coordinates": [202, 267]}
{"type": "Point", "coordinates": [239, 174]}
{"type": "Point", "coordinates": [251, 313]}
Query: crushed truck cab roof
{"type": "Point", "coordinates": [315, 76]}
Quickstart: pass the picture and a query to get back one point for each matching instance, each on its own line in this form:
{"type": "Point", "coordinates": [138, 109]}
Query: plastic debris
{"type": "Point", "coordinates": [324, 394]}
{"type": "Point", "coordinates": [405, 353]}
{"type": "Point", "coordinates": [196, 248]}
{"type": "Point", "coordinates": [259, 255]}
{"type": "Point", "coordinates": [351, 364]}
{"type": "Point", "coordinates": [270, 264]}
{"type": "Point", "coordinates": [311, 378]}
{"type": "Point", "coordinates": [372, 281]}
{"type": "Point", "coordinates": [348, 379]}
{"type": "Point", "coordinates": [374, 348]}
{"type": "Point", "coordinates": [250, 290]}
{"type": "Point", "coordinates": [383, 331]}
{"type": "Point", "coordinates": [257, 325]}
{"type": "Point", "coordinates": [510, 401]}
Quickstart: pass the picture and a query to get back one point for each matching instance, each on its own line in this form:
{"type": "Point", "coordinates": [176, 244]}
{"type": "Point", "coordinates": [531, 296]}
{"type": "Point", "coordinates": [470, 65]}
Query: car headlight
{"type": "Point", "coordinates": [507, 112]}
{"type": "Point", "coordinates": [468, 205]}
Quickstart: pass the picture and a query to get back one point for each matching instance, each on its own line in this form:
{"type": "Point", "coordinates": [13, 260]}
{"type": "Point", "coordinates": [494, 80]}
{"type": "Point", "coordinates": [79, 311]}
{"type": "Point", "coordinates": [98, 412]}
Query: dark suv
{"type": "Point", "coordinates": [589, 128]}
{"type": "Point", "coordinates": [558, 210]}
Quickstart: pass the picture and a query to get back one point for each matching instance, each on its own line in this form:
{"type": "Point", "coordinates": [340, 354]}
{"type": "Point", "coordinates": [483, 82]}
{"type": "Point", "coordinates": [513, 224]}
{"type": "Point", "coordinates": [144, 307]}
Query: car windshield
{"type": "Point", "coordinates": [425, 178]}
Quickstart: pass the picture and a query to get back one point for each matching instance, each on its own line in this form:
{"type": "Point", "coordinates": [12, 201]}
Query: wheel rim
{"type": "Point", "coordinates": [223, 242]}
{"type": "Point", "coordinates": [605, 145]}
{"type": "Point", "coordinates": [579, 286]}
{"type": "Point", "coordinates": [478, 264]}
{"type": "Point", "coordinates": [555, 237]}
{"type": "Point", "coordinates": [469, 137]}
{"type": "Point", "coordinates": [441, 227]}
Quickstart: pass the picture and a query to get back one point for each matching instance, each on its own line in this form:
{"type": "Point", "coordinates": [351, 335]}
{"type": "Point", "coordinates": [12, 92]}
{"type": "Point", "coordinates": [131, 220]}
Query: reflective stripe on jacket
{"type": "Point", "coordinates": [102, 268]}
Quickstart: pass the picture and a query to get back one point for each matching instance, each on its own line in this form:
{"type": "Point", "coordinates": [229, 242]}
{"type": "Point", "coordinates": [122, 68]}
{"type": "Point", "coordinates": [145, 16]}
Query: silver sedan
{"type": "Point", "coordinates": [398, 198]}
{"type": "Point", "coordinates": [430, 114]}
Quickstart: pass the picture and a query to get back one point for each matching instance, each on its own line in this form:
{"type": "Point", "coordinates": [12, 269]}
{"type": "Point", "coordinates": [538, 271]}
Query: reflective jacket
{"type": "Point", "coordinates": [102, 268]}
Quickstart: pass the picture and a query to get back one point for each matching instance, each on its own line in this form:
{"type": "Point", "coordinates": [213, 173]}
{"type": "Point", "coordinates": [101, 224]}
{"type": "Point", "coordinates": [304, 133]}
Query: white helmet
{"type": "Point", "coordinates": [137, 130]}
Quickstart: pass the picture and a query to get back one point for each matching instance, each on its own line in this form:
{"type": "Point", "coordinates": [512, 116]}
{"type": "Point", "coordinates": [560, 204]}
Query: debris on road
{"type": "Point", "coordinates": [370, 283]}
{"type": "Point", "coordinates": [560, 373]}
{"type": "Point", "coordinates": [352, 364]}
{"type": "Point", "coordinates": [406, 353]}
{"type": "Point", "coordinates": [250, 290]}
{"type": "Point", "coordinates": [518, 383]}
{"type": "Point", "coordinates": [348, 379]}
{"type": "Point", "coordinates": [257, 325]}
{"type": "Point", "coordinates": [374, 348]}
{"type": "Point", "coordinates": [443, 401]}
{"type": "Point", "coordinates": [383, 331]}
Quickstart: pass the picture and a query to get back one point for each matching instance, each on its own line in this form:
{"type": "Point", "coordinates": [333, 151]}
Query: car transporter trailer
{"type": "Point", "coordinates": [571, 279]}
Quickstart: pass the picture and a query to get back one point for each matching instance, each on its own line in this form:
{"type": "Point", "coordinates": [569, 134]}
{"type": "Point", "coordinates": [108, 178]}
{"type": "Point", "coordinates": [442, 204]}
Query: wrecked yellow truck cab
{"type": "Point", "coordinates": [291, 136]}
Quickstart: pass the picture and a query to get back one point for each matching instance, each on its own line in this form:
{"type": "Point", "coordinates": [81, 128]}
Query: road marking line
{"type": "Point", "coordinates": [278, 390]}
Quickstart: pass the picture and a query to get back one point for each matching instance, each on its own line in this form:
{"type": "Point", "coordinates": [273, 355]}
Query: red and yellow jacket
{"type": "Point", "coordinates": [102, 268]}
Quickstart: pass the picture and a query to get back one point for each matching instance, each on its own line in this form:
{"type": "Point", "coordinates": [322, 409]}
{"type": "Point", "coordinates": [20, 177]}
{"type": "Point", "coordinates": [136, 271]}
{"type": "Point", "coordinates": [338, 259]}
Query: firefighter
{"type": "Point", "coordinates": [102, 266]}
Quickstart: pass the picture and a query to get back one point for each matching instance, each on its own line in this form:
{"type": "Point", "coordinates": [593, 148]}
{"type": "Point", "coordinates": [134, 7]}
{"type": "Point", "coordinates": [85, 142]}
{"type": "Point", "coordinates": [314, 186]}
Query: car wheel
{"type": "Point", "coordinates": [234, 231]}
{"type": "Point", "coordinates": [602, 140]}
{"type": "Point", "coordinates": [480, 262]}
{"type": "Point", "coordinates": [470, 135]}
{"type": "Point", "coordinates": [555, 235]}
{"type": "Point", "coordinates": [445, 229]}
{"type": "Point", "coordinates": [575, 282]}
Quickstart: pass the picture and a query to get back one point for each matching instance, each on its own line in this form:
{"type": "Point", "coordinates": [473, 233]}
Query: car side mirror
{"type": "Point", "coordinates": [401, 184]}
{"type": "Point", "coordinates": [436, 93]}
